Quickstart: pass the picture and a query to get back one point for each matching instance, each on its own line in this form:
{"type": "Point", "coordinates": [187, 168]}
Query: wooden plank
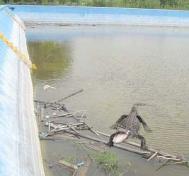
{"type": "Point", "coordinates": [98, 140]}
{"type": "Point", "coordinates": [67, 164]}
{"type": "Point", "coordinates": [152, 156]}
{"type": "Point", "coordinates": [71, 95]}
{"type": "Point", "coordinates": [82, 171]}
{"type": "Point", "coordinates": [137, 145]}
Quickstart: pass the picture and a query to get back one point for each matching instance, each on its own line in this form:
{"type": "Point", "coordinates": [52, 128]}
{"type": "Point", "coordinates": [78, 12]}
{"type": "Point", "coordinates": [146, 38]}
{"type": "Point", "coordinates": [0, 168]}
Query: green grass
{"type": "Point", "coordinates": [108, 162]}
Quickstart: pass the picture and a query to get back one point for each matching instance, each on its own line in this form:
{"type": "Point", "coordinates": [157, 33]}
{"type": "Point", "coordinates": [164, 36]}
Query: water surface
{"type": "Point", "coordinates": [118, 67]}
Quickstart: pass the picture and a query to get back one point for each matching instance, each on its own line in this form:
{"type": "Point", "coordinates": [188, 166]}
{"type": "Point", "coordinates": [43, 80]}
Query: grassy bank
{"type": "Point", "coordinates": [168, 4]}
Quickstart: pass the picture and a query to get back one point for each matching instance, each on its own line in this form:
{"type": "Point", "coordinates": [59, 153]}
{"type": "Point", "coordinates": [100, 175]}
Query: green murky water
{"type": "Point", "coordinates": [118, 67]}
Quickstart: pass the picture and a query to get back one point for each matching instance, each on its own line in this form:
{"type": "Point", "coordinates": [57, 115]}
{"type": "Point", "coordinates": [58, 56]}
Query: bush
{"type": "Point", "coordinates": [170, 4]}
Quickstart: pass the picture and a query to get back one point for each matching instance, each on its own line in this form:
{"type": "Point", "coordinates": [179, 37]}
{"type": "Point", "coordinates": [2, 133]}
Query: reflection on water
{"type": "Point", "coordinates": [51, 58]}
{"type": "Point", "coordinates": [118, 69]}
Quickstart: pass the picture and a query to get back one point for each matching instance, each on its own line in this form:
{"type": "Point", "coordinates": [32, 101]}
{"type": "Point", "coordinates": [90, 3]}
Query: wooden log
{"type": "Point", "coordinates": [66, 115]}
{"type": "Point", "coordinates": [42, 114]}
{"type": "Point", "coordinates": [71, 95]}
{"type": "Point", "coordinates": [82, 171]}
{"type": "Point", "coordinates": [67, 164]}
{"type": "Point", "coordinates": [61, 115]}
{"type": "Point", "coordinates": [57, 101]}
{"type": "Point", "coordinates": [151, 153]}
{"type": "Point", "coordinates": [49, 104]}
{"type": "Point", "coordinates": [73, 129]}
{"type": "Point", "coordinates": [169, 158]}
{"type": "Point", "coordinates": [161, 153]}
{"type": "Point", "coordinates": [185, 163]}
{"type": "Point", "coordinates": [73, 167]}
{"type": "Point", "coordinates": [127, 142]}
{"type": "Point", "coordinates": [93, 131]}
{"type": "Point", "coordinates": [101, 141]}
{"type": "Point", "coordinates": [49, 126]}
{"type": "Point", "coordinates": [152, 156]}
{"type": "Point", "coordinates": [45, 102]}
{"type": "Point", "coordinates": [59, 126]}
{"type": "Point", "coordinates": [38, 111]}
{"type": "Point", "coordinates": [163, 165]}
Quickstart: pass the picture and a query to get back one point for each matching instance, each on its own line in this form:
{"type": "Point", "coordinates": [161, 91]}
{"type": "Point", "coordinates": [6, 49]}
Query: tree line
{"type": "Point", "coordinates": [170, 4]}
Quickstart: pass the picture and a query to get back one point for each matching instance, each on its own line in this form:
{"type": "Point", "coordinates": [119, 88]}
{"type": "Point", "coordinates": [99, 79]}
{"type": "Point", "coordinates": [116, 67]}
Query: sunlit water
{"type": "Point", "coordinates": [118, 67]}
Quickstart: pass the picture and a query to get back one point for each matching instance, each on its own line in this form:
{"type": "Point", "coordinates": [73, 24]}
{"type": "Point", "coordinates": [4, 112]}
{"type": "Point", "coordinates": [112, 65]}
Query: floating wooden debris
{"type": "Point", "coordinates": [82, 171]}
{"type": "Point", "coordinates": [67, 164]}
{"type": "Point", "coordinates": [149, 154]}
{"type": "Point", "coordinates": [71, 95]}
{"type": "Point", "coordinates": [153, 153]}
{"type": "Point", "coordinates": [73, 167]}
{"type": "Point", "coordinates": [164, 164]}
{"type": "Point", "coordinates": [54, 127]}
{"type": "Point", "coordinates": [96, 140]}
{"type": "Point", "coordinates": [57, 102]}
{"type": "Point", "coordinates": [152, 156]}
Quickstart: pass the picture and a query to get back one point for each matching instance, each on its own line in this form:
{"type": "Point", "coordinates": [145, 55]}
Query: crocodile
{"type": "Point", "coordinates": [129, 126]}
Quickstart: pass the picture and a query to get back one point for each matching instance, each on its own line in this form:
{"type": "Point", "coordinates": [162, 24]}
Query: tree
{"type": "Point", "coordinates": [170, 3]}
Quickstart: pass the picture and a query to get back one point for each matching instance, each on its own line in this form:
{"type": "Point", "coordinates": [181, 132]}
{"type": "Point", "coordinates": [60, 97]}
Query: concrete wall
{"type": "Point", "coordinates": [95, 16]}
{"type": "Point", "coordinates": [20, 153]}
